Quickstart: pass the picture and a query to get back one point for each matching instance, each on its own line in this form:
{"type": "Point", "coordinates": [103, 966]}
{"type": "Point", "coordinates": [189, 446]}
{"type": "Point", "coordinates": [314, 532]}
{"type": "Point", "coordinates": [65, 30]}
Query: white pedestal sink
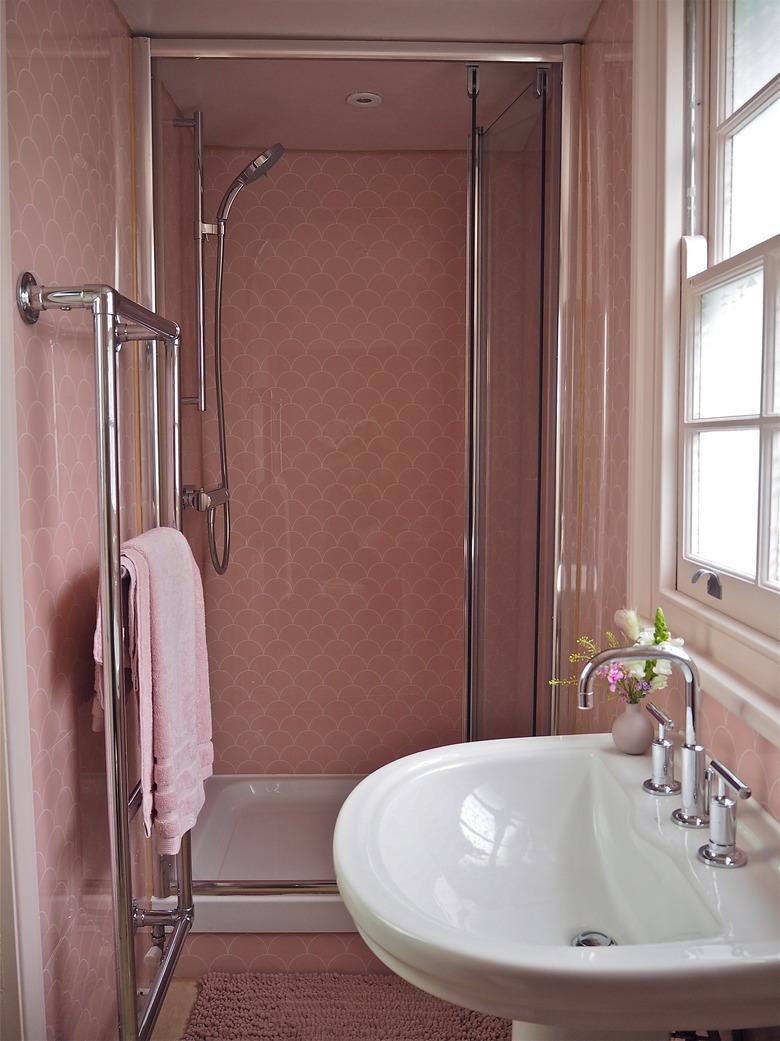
{"type": "Point", "coordinates": [469, 869]}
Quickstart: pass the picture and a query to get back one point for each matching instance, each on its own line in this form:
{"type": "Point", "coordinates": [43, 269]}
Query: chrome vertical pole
{"type": "Point", "coordinates": [174, 355]}
{"type": "Point", "coordinates": [200, 232]}
{"type": "Point", "coordinates": [113, 664]}
{"type": "Point", "coordinates": [155, 453]}
{"type": "Point", "coordinates": [200, 274]}
{"type": "Point", "coordinates": [181, 919]}
{"type": "Point", "coordinates": [146, 260]}
{"type": "Point", "coordinates": [473, 450]}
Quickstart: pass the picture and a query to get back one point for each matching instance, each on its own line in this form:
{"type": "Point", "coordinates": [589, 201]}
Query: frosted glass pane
{"type": "Point", "coordinates": [755, 47]}
{"type": "Point", "coordinates": [724, 499]}
{"type": "Point", "coordinates": [773, 553]}
{"type": "Point", "coordinates": [752, 211]}
{"type": "Point", "coordinates": [727, 356]}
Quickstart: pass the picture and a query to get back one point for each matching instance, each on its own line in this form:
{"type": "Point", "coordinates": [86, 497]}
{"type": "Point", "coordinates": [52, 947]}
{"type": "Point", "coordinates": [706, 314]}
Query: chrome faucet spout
{"type": "Point", "coordinates": [676, 655]}
{"type": "Point", "coordinates": [694, 810]}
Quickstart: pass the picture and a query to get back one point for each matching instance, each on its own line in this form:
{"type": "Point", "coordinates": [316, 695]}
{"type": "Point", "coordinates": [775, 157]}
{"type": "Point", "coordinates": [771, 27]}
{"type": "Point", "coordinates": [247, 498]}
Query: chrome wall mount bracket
{"type": "Point", "coordinates": [26, 283]}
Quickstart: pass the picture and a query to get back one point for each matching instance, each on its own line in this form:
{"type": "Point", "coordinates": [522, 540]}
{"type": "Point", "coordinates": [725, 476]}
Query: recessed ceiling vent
{"type": "Point", "coordinates": [364, 99]}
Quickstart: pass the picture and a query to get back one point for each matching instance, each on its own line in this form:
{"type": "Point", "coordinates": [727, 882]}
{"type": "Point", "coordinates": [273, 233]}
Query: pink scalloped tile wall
{"type": "Point", "coordinates": [595, 448]}
{"type": "Point", "coordinates": [335, 638]}
{"type": "Point", "coordinates": [276, 952]}
{"type": "Point", "coordinates": [71, 215]}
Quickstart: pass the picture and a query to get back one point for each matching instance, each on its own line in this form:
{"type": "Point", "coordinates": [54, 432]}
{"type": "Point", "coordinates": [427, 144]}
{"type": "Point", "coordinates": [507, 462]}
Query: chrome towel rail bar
{"type": "Point", "coordinates": [116, 320]}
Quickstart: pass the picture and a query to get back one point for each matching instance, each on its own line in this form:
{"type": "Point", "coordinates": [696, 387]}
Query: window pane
{"type": "Point", "coordinates": [752, 210]}
{"type": "Point", "coordinates": [755, 47]}
{"type": "Point", "coordinates": [773, 552]}
{"type": "Point", "coordinates": [724, 499]}
{"type": "Point", "coordinates": [727, 354]}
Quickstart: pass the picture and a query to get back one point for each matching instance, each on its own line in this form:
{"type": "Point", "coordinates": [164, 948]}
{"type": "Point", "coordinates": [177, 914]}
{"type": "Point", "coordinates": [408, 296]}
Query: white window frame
{"type": "Point", "coordinates": [740, 666]}
{"type": "Point", "coordinates": [751, 601]}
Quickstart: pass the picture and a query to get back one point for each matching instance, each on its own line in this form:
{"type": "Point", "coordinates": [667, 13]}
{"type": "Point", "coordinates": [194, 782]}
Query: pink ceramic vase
{"type": "Point", "coordinates": [632, 730]}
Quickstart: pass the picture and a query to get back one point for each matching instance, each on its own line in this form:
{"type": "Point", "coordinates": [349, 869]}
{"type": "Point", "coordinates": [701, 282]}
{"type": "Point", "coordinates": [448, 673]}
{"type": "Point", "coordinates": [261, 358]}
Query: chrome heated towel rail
{"type": "Point", "coordinates": [117, 320]}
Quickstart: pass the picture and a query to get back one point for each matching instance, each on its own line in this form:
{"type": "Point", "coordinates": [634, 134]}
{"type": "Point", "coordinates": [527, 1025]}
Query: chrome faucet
{"type": "Point", "coordinates": [694, 811]}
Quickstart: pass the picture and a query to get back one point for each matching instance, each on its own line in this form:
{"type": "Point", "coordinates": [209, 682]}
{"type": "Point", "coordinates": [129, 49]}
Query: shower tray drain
{"type": "Point", "coordinates": [593, 938]}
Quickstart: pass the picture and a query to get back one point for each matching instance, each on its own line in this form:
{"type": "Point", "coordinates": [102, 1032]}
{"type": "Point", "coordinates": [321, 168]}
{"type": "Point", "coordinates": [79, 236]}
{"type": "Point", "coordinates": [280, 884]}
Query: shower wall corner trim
{"type": "Point", "coordinates": [567, 291]}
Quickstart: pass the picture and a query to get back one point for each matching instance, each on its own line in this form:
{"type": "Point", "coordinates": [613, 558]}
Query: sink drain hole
{"type": "Point", "coordinates": [593, 938]}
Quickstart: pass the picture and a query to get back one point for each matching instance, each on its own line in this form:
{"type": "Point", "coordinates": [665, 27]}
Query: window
{"type": "Point", "coordinates": [729, 445]}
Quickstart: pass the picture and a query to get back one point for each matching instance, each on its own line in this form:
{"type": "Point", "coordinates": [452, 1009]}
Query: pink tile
{"type": "Point", "coordinates": [347, 464]}
{"type": "Point", "coordinates": [71, 207]}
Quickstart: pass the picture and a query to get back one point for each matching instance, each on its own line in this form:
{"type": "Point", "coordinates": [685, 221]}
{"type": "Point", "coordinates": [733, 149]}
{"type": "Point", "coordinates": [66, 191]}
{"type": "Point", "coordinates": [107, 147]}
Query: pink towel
{"type": "Point", "coordinates": [167, 648]}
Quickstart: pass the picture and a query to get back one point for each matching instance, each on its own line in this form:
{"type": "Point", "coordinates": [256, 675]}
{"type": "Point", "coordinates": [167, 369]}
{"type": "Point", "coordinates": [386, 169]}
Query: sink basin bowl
{"type": "Point", "coordinates": [470, 869]}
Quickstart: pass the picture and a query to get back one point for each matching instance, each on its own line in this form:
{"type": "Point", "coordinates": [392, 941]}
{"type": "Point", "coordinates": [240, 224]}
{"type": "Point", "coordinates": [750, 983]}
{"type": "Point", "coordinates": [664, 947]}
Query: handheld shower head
{"type": "Point", "coordinates": [259, 166]}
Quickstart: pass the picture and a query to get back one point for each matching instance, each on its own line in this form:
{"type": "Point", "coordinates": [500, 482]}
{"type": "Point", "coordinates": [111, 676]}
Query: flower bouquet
{"type": "Point", "coordinates": [629, 681]}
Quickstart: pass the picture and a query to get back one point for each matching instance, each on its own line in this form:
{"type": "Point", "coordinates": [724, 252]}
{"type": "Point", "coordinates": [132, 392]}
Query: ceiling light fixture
{"type": "Point", "coordinates": [364, 99]}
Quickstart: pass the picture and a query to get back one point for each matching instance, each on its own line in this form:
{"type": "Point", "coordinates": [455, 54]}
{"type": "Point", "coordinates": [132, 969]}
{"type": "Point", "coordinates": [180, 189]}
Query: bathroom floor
{"type": "Point", "coordinates": [175, 1013]}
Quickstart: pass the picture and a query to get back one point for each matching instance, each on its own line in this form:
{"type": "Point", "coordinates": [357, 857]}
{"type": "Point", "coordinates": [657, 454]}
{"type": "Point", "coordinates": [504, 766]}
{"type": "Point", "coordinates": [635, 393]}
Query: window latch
{"type": "Point", "coordinates": [714, 587]}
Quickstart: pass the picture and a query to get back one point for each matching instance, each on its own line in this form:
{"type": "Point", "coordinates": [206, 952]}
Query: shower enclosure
{"type": "Point", "coordinates": [389, 342]}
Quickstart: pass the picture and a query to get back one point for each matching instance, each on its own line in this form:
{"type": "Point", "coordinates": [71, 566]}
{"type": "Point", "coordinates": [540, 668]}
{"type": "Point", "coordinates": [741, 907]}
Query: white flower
{"type": "Point", "coordinates": [658, 682]}
{"type": "Point", "coordinates": [662, 667]}
{"type": "Point", "coordinates": [635, 669]}
{"type": "Point", "coordinates": [673, 641]}
{"type": "Point", "coordinates": [628, 621]}
{"type": "Point", "coordinates": [646, 638]}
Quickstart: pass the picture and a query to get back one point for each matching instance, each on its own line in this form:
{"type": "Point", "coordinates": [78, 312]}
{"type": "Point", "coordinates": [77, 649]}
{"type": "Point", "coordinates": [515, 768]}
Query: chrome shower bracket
{"type": "Point", "coordinates": [201, 500]}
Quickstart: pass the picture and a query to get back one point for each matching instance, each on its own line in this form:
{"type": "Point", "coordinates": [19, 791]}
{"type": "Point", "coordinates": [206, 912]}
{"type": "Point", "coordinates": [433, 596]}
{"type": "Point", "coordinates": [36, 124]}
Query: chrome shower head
{"type": "Point", "coordinates": [259, 166]}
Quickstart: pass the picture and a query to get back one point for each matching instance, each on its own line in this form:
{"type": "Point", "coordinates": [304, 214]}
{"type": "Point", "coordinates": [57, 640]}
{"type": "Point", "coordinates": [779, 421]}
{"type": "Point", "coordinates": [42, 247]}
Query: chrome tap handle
{"type": "Point", "coordinates": [722, 849]}
{"type": "Point", "coordinates": [726, 777]}
{"type": "Point", "coordinates": [664, 722]}
{"type": "Point", "coordinates": [662, 751]}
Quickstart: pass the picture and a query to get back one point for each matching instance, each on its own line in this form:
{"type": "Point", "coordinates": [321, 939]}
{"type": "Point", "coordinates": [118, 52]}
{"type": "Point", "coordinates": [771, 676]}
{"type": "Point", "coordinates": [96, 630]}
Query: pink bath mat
{"type": "Point", "coordinates": [327, 1006]}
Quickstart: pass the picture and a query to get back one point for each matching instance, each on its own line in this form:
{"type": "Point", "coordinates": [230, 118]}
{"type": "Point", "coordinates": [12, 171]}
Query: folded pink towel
{"type": "Point", "coordinates": [166, 634]}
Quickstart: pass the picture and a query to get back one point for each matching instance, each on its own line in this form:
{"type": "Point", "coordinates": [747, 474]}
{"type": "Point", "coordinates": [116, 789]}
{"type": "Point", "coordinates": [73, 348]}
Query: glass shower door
{"type": "Point", "coordinates": [516, 208]}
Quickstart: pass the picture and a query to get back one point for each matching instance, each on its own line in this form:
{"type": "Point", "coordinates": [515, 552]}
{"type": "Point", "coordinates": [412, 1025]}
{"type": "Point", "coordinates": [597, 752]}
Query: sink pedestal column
{"type": "Point", "coordinates": [538, 1032]}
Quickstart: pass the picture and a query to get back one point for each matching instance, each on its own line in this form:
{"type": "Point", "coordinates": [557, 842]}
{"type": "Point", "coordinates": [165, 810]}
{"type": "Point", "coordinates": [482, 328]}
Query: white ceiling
{"type": "Point", "coordinates": [523, 21]}
{"type": "Point", "coordinates": [251, 103]}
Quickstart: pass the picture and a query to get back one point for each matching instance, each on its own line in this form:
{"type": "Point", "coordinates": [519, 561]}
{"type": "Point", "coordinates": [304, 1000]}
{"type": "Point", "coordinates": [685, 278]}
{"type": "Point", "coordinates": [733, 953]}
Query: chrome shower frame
{"type": "Point", "coordinates": [466, 53]}
{"type": "Point", "coordinates": [116, 321]}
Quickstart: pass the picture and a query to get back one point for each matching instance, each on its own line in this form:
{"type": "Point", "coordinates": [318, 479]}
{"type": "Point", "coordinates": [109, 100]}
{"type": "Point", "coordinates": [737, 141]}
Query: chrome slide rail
{"type": "Point", "coordinates": [117, 320]}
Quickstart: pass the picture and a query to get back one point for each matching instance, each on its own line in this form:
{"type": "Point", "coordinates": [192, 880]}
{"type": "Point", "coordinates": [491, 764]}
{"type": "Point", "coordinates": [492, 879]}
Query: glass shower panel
{"type": "Point", "coordinates": [510, 382]}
